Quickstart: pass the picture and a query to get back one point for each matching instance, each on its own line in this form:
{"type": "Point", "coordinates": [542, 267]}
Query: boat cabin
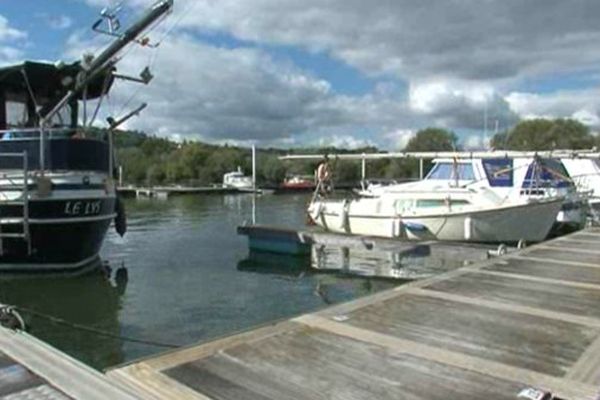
{"type": "Point", "coordinates": [33, 120]}
{"type": "Point", "coordinates": [506, 176]}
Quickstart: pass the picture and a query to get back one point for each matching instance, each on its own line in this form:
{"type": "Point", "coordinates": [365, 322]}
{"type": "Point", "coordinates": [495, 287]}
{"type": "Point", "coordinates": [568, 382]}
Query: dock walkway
{"type": "Point", "coordinates": [485, 331]}
{"type": "Point", "coordinates": [31, 369]}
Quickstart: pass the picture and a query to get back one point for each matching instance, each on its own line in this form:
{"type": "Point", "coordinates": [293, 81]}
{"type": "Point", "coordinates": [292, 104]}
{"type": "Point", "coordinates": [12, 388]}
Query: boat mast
{"type": "Point", "coordinates": [105, 60]}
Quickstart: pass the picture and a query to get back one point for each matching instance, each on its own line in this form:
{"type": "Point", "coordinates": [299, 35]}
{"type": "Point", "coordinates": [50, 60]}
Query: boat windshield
{"type": "Point", "coordinates": [547, 173]}
{"type": "Point", "coordinates": [448, 171]}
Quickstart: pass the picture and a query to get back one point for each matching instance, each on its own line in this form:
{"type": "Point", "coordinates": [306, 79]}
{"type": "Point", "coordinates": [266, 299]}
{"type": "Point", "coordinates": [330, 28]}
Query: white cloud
{"type": "Point", "coordinates": [59, 22]}
{"type": "Point", "coordinates": [582, 105]}
{"type": "Point", "coordinates": [242, 94]}
{"type": "Point", "coordinates": [459, 59]}
{"type": "Point", "coordinates": [10, 38]}
{"type": "Point", "coordinates": [399, 138]}
{"type": "Point", "coordinates": [344, 141]}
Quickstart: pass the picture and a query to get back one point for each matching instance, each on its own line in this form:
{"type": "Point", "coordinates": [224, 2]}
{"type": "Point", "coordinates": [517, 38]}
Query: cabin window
{"type": "Point", "coordinates": [403, 205]}
{"type": "Point", "coordinates": [499, 171]}
{"type": "Point", "coordinates": [449, 171]}
{"type": "Point", "coordinates": [547, 173]}
{"type": "Point", "coordinates": [430, 203]}
{"type": "Point", "coordinates": [16, 114]}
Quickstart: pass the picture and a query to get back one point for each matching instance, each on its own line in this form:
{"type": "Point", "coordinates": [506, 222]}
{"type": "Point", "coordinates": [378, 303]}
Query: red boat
{"type": "Point", "coordinates": [298, 182]}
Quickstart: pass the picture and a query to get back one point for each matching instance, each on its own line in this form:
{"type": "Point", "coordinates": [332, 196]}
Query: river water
{"type": "Point", "coordinates": [190, 278]}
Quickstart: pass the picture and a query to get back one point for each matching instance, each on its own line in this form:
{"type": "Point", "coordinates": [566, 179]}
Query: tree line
{"type": "Point", "coordinates": [151, 160]}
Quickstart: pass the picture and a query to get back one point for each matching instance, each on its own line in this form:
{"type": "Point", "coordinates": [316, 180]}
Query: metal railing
{"type": "Point", "coordinates": [24, 203]}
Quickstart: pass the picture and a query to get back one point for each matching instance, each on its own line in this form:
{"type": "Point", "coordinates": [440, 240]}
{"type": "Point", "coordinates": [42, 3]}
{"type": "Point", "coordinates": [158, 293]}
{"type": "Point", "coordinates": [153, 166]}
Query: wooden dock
{"type": "Point", "coordinates": [31, 369]}
{"type": "Point", "coordinates": [485, 331]}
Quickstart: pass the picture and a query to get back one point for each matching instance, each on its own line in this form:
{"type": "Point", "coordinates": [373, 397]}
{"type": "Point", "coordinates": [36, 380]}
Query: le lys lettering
{"type": "Point", "coordinates": [82, 207]}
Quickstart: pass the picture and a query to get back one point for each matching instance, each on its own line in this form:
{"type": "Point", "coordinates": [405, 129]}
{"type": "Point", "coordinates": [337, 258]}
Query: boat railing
{"type": "Point", "coordinates": [16, 138]}
{"type": "Point", "coordinates": [20, 200]}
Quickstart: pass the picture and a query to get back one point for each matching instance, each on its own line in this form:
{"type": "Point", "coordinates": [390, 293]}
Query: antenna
{"type": "Point", "coordinates": [110, 16]}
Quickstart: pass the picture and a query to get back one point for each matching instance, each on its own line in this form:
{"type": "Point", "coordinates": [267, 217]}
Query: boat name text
{"type": "Point", "coordinates": [83, 207]}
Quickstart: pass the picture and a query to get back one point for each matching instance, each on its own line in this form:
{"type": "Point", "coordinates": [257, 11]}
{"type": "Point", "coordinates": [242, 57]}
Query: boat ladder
{"type": "Point", "coordinates": [10, 185]}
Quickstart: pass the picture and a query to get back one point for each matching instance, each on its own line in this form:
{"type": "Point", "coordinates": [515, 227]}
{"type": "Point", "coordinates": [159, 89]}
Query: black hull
{"type": "Point", "coordinates": [59, 239]}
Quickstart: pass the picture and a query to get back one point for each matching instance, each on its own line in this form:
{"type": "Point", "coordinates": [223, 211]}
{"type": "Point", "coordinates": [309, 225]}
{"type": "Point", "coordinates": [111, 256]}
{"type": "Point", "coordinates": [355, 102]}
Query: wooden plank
{"type": "Point", "coordinates": [42, 392]}
{"type": "Point", "coordinates": [569, 300]}
{"type": "Point", "coordinates": [561, 255]}
{"type": "Point", "coordinates": [60, 370]}
{"type": "Point", "coordinates": [552, 260]}
{"type": "Point", "coordinates": [511, 338]}
{"type": "Point", "coordinates": [587, 368]}
{"type": "Point", "coordinates": [544, 280]}
{"type": "Point", "coordinates": [152, 385]}
{"type": "Point", "coordinates": [16, 378]}
{"type": "Point", "coordinates": [586, 248]}
{"type": "Point", "coordinates": [549, 270]}
{"type": "Point", "coordinates": [312, 364]}
{"type": "Point", "coordinates": [507, 306]}
{"type": "Point", "coordinates": [195, 352]}
{"type": "Point", "coordinates": [559, 386]}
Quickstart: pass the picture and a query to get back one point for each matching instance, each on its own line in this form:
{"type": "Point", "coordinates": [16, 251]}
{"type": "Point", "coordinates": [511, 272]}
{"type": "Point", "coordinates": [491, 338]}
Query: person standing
{"type": "Point", "coordinates": [324, 175]}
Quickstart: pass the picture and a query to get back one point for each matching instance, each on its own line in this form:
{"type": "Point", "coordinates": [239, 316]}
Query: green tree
{"type": "Point", "coordinates": [545, 134]}
{"type": "Point", "coordinates": [432, 139]}
{"type": "Point", "coordinates": [429, 139]}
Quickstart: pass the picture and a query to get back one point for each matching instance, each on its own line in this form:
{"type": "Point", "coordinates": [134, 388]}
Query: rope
{"type": "Point", "coordinates": [95, 331]}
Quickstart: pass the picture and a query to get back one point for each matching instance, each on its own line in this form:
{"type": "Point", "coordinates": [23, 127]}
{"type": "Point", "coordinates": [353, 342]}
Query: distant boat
{"type": "Point", "coordinates": [298, 182]}
{"type": "Point", "coordinates": [585, 173]}
{"type": "Point", "coordinates": [237, 180]}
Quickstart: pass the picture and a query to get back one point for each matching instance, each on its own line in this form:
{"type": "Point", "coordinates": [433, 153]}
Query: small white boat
{"type": "Point", "coordinates": [453, 214]}
{"type": "Point", "coordinates": [238, 180]}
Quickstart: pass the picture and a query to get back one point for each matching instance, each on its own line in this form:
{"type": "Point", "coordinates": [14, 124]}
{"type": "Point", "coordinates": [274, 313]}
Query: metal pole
{"type": "Point", "coordinates": [254, 168]}
{"type": "Point", "coordinates": [363, 169]}
{"type": "Point", "coordinates": [421, 172]}
{"type": "Point", "coordinates": [42, 150]}
{"type": "Point", "coordinates": [110, 153]}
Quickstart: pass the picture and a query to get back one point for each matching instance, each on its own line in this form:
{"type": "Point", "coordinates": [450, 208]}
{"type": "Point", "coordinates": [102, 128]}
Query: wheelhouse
{"type": "Point", "coordinates": [35, 124]}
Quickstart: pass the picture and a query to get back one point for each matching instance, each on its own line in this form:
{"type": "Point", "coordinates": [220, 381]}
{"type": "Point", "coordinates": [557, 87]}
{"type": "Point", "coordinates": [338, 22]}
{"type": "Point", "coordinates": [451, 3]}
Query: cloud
{"type": "Point", "coordinates": [460, 60]}
{"type": "Point", "coordinates": [10, 38]}
{"type": "Point", "coordinates": [243, 94]}
{"type": "Point", "coordinates": [582, 105]}
{"type": "Point", "coordinates": [58, 22]}
{"type": "Point", "coordinates": [469, 40]}
{"type": "Point", "coordinates": [399, 138]}
{"type": "Point", "coordinates": [458, 104]}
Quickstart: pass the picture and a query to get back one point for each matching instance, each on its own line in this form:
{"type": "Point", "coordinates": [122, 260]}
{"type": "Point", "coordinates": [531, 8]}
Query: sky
{"type": "Point", "coordinates": [347, 73]}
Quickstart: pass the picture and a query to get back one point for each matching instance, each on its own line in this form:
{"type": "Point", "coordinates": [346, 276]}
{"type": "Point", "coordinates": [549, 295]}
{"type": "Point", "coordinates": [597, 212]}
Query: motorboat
{"type": "Point", "coordinates": [513, 179]}
{"type": "Point", "coordinates": [450, 214]}
{"type": "Point", "coordinates": [237, 180]}
{"type": "Point", "coordinates": [57, 173]}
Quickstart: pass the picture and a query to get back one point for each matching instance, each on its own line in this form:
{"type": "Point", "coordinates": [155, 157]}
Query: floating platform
{"type": "Point", "coordinates": [299, 242]}
{"type": "Point", "coordinates": [530, 319]}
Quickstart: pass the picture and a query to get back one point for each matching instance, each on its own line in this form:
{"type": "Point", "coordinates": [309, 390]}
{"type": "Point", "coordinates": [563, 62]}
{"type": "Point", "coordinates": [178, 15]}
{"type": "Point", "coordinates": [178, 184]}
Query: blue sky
{"type": "Point", "coordinates": [342, 72]}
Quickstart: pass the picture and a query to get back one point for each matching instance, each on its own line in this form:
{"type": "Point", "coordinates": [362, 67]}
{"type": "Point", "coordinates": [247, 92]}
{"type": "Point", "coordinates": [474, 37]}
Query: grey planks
{"type": "Point", "coordinates": [564, 272]}
{"type": "Point", "coordinates": [548, 296]}
{"type": "Point", "coordinates": [312, 364]}
{"type": "Point", "coordinates": [560, 255]}
{"type": "Point", "coordinates": [525, 341]}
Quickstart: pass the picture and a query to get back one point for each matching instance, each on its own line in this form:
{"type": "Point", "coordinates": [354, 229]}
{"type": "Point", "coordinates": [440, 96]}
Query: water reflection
{"type": "Point", "coordinates": [416, 263]}
{"type": "Point", "coordinates": [90, 300]}
{"type": "Point", "coordinates": [329, 286]}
